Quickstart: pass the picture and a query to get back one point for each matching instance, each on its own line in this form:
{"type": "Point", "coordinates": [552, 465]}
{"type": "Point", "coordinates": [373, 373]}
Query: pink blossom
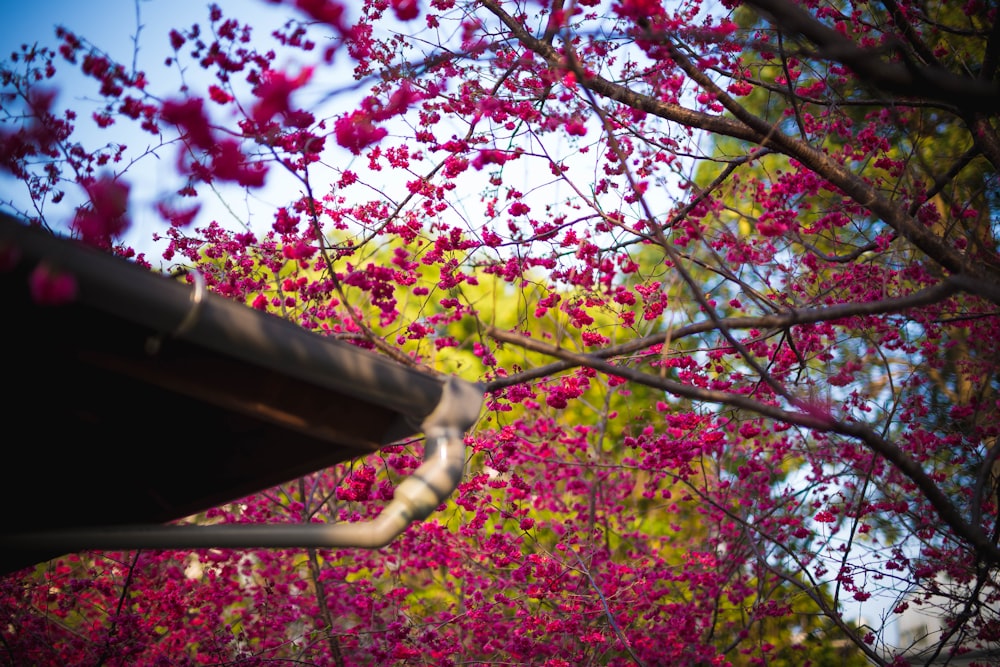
{"type": "Point", "coordinates": [637, 455]}
{"type": "Point", "coordinates": [298, 250]}
{"type": "Point", "coordinates": [189, 115]}
{"type": "Point", "coordinates": [324, 11]}
{"type": "Point", "coordinates": [177, 218]}
{"type": "Point", "coordinates": [575, 128]}
{"type": "Point", "coordinates": [218, 95]}
{"type": "Point", "coordinates": [51, 287]}
{"type": "Point", "coordinates": [406, 10]}
{"type": "Point", "coordinates": [519, 208]}
{"type": "Point", "coordinates": [105, 217]}
{"type": "Point", "coordinates": [486, 157]}
{"type": "Point", "coordinates": [229, 164]}
{"type": "Point", "coordinates": [356, 132]}
{"type": "Point", "coordinates": [275, 94]}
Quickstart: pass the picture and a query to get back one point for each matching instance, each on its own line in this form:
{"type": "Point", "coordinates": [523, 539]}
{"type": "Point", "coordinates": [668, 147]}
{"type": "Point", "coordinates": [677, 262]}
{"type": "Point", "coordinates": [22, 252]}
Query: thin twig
{"type": "Point", "coordinates": [607, 611]}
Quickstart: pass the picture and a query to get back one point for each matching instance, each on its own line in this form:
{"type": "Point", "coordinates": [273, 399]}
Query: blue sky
{"type": "Point", "coordinates": [112, 26]}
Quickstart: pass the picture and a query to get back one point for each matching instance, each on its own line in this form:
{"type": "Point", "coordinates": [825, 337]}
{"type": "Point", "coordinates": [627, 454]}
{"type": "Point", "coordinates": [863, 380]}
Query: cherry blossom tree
{"type": "Point", "coordinates": [729, 274]}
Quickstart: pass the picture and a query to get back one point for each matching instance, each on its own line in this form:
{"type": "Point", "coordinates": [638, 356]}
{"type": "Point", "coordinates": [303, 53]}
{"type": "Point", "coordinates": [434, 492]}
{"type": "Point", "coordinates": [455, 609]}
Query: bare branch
{"type": "Point", "coordinates": [767, 322]}
{"type": "Point", "coordinates": [928, 81]}
{"type": "Point", "coordinates": [816, 420]}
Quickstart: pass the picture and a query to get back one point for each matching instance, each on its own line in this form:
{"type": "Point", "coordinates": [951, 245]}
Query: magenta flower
{"type": "Point", "coordinates": [50, 286]}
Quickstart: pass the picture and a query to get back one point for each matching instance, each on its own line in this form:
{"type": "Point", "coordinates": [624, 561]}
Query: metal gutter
{"type": "Point", "coordinates": [443, 408]}
{"type": "Point", "coordinates": [415, 498]}
{"type": "Point", "coordinates": [179, 311]}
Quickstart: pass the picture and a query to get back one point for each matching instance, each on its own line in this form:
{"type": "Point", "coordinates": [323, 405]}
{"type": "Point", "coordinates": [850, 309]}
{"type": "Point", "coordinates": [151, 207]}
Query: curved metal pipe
{"type": "Point", "coordinates": [415, 498]}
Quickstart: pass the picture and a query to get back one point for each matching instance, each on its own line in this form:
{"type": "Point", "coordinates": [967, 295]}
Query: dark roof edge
{"type": "Point", "coordinates": [177, 310]}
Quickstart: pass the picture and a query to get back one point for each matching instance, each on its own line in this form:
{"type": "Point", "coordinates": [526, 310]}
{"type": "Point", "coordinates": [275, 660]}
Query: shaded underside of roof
{"type": "Point", "coordinates": [142, 401]}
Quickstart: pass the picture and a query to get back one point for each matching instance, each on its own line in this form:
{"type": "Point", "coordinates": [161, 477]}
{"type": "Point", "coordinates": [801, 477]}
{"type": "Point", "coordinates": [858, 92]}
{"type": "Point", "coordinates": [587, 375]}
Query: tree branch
{"type": "Point", "coordinates": [837, 173]}
{"type": "Point", "coordinates": [821, 423]}
{"type": "Point", "coordinates": [923, 297]}
{"type": "Point", "coordinates": [927, 82]}
{"type": "Point", "coordinates": [749, 127]}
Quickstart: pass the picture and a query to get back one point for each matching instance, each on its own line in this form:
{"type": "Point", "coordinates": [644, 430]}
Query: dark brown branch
{"type": "Point", "coordinates": [746, 126]}
{"type": "Point", "coordinates": [991, 56]}
{"type": "Point", "coordinates": [940, 182]}
{"type": "Point", "coordinates": [989, 291]}
{"type": "Point", "coordinates": [836, 173]}
{"type": "Point", "coordinates": [790, 89]}
{"type": "Point", "coordinates": [320, 588]}
{"type": "Point", "coordinates": [821, 423]}
{"type": "Point", "coordinates": [113, 630]}
{"type": "Point", "coordinates": [837, 259]}
{"type": "Point", "coordinates": [622, 94]}
{"type": "Point", "coordinates": [928, 82]}
{"type": "Point", "coordinates": [676, 388]}
{"type": "Point", "coordinates": [765, 322]}
{"type": "Point", "coordinates": [987, 139]}
{"type": "Point", "coordinates": [905, 27]}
